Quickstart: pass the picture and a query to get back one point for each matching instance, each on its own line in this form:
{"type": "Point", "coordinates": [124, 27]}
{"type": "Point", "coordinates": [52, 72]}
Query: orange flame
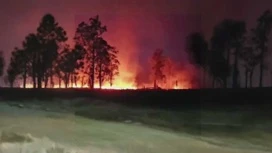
{"type": "Point", "coordinates": [176, 78]}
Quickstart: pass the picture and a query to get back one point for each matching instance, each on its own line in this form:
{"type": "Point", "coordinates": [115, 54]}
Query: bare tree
{"type": "Point", "coordinates": [261, 33]}
{"type": "Point", "coordinates": [158, 63]}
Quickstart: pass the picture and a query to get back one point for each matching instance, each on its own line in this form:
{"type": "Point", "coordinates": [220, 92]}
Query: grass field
{"type": "Point", "coordinates": [92, 126]}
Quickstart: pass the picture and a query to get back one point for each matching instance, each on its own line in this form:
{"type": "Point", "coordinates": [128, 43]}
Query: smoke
{"type": "Point", "coordinates": [178, 75]}
{"type": "Point", "coordinates": [136, 30]}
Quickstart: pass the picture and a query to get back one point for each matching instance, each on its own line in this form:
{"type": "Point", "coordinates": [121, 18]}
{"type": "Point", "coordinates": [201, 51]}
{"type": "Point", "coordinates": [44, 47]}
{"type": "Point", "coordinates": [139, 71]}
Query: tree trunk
{"type": "Point", "coordinates": [67, 78]}
{"type": "Point", "coordinates": [261, 74]}
{"type": "Point", "coordinates": [66, 83]}
{"type": "Point", "coordinates": [11, 84]}
{"type": "Point", "coordinates": [111, 79]}
{"type": "Point", "coordinates": [213, 82]}
{"type": "Point", "coordinates": [261, 67]}
{"type": "Point", "coordinates": [89, 82]}
{"type": "Point", "coordinates": [228, 60]}
{"type": "Point", "coordinates": [51, 80]}
{"type": "Point", "coordinates": [34, 75]}
{"type": "Point", "coordinates": [155, 84]}
{"type": "Point", "coordinates": [235, 71]}
{"type": "Point", "coordinates": [72, 81]}
{"type": "Point", "coordinates": [246, 78]}
{"type": "Point", "coordinates": [45, 81]}
{"type": "Point", "coordinates": [34, 81]}
{"type": "Point", "coordinates": [39, 81]}
{"type": "Point", "coordinates": [93, 69]}
{"type": "Point", "coordinates": [271, 78]}
{"type": "Point", "coordinates": [34, 72]}
{"type": "Point", "coordinates": [204, 78]}
{"type": "Point", "coordinates": [59, 82]}
{"type": "Point", "coordinates": [82, 81]}
{"type": "Point", "coordinates": [39, 72]}
{"type": "Point", "coordinates": [225, 82]}
{"type": "Point", "coordinates": [24, 78]}
{"type": "Point", "coordinates": [100, 76]}
{"type": "Point", "coordinates": [75, 80]}
{"type": "Point", "coordinates": [250, 78]}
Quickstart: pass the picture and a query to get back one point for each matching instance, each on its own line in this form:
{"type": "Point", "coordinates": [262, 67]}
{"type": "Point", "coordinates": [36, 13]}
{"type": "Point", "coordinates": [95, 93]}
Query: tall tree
{"type": "Point", "coordinates": [250, 61]}
{"type": "Point", "coordinates": [169, 70]}
{"type": "Point", "coordinates": [227, 36]}
{"type": "Point", "coordinates": [197, 48]}
{"type": "Point", "coordinates": [19, 62]}
{"type": "Point", "coordinates": [70, 61]}
{"type": "Point", "coordinates": [86, 35]}
{"type": "Point", "coordinates": [102, 59]}
{"type": "Point", "coordinates": [23, 62]}
{"type": "Point", "coordinates": [14, 68]}
{"type": "Point", "coordinates": [238, 39]}
{"type": "Point", "coordinates": [2, 63]}
{"type": "Point", "coordinates": [158, 63]}
{"type": "Point", "coordinates": [261, 34]}
{"type": "Point", "coordinates": [50, 36]}
{"type": "Point", "coordinates": [218, 67]}
{"type": "Point", "coordinates": [32, 48]}
{"type": "Point", "coordinates": [113, 66]}
{"type": "Point", "coordinates": [106, 61]}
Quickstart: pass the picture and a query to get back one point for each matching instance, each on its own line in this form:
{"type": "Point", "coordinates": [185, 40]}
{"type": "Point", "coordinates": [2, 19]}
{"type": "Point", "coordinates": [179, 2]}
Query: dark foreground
{"type": "Point", "coordinates": [257, 98]}
{"type": "Point", "coordinates": [111, 121]}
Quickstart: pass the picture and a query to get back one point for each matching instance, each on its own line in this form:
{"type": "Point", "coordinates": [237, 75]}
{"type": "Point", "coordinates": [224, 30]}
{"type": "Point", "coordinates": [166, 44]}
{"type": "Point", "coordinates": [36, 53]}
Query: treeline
{"type": "Point", "coordinates": [47, 59]}
{"type": "Point", "coordinates": [231, 47]}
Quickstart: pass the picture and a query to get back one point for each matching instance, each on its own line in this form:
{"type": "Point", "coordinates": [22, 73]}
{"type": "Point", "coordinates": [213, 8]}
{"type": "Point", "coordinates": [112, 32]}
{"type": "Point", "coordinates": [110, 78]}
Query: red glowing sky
{"type": "Point", "coordinates": [136, 28]}
{"type": "Point", "coordinates": [21, 17]}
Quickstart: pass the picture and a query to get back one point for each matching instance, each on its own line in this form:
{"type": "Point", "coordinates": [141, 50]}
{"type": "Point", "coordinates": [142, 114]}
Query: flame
{"type": "Point", "coordinates": [176, 78]}
{"type": "Point", "coordinates": [120, 84]}
{"type": "Point", "coordinates": [180, 78]}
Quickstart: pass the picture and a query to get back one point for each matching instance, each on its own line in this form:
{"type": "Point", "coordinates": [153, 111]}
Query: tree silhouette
{"type": "Point", "coordinates": [238, 38]}
{"type": "Point", "coordinates": [50, 36]}
{"type": "Point", "coordinates": [32, 47]}
{"type": "Point", "coordinates": [218, 67]}
{"type": "Point", "coordinates": [20, 64]}
{"type": "Point", "coordinates": [23, 60]}
{"type": "Point", "coordinates": [102, 59]}
{"type": "Point", "coordinates": [86, 35]}
{"type": "Point", "coordinates": [260, 38]}
{"type": "Point", "coordinates": [106, 61]}
{"type": "Point", "coordinates": [70, 61]}
{"type": "Point", "coordinates": [158, 63]}
{"type": "Point", "coordinates": [197, 48]}
{"type": "Point", "coordinates": [11, 74]}
{"type": "Point", "coordinates": [228, 36]}
{"type": "Point", "coordinates": [113, 65]}
{"type": "Point", "coordinates": [15, 67]}
{"type": "Point", "coordinates": [2, 63]}
{"type": "Point", "coordinates": [251, 60]}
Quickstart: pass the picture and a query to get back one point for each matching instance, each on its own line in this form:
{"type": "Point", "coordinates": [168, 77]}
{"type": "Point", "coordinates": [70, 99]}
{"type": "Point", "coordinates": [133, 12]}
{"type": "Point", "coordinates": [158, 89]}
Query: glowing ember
{"type": "Point", "coordinates": [177, 79]}
{"type": "Point", "coordinates": [119, 85]}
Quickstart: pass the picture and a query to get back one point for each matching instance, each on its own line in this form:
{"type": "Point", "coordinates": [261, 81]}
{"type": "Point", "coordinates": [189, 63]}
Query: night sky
{"type": "Point", "coordinates": [136, 28]}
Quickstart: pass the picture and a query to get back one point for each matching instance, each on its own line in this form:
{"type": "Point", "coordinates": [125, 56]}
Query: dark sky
{"type": "Point", "coordinates": [137, 28]}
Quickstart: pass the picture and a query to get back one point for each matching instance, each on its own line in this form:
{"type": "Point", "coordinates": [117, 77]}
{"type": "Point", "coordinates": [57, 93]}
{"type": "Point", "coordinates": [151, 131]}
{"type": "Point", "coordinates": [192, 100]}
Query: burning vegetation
{"type": "Point", "coordinates": [47, 61]}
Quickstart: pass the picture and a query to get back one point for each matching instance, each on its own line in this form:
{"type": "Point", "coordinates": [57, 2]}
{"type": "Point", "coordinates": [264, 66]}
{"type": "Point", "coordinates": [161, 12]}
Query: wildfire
{"type": "Point", "coordinates": [176, 78]}
{"type": "Point", "coordinates": [118, 85]}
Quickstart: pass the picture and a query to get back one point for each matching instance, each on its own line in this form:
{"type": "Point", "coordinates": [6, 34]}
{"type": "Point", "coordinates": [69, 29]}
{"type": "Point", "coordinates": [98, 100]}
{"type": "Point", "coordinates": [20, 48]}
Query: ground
{"type": "Point", "coordinates": [79, 125]}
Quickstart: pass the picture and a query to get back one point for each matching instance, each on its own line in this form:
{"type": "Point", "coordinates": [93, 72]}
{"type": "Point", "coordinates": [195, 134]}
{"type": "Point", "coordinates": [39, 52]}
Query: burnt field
{"type": "Point", "coordinates": [256, 98]}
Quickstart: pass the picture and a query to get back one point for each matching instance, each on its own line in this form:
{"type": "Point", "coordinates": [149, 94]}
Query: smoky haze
{"type": "Point", "coordinates": [136, 28]}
